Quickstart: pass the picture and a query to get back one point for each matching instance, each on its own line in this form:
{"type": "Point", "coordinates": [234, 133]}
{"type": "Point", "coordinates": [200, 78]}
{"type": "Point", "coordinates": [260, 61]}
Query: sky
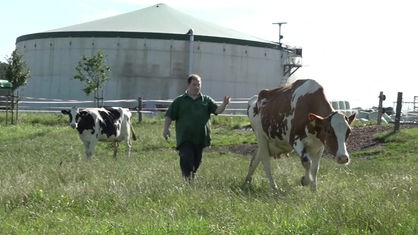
{"type": "Point", "coordinates": [354, 48]}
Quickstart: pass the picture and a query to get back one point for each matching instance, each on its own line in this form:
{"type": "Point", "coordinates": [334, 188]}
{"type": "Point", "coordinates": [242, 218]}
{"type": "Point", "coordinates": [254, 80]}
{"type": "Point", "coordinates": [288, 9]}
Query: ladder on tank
{"type": "Point", "coordinates": [292, 62]}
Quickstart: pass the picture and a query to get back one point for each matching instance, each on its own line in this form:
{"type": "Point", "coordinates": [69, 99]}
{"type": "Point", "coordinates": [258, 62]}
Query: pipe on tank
{"type": "Point", "coordinates": [191, 41]}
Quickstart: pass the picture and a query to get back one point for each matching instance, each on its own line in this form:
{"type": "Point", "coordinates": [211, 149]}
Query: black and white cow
{"type": "Point", "coordinates": [111, 124]}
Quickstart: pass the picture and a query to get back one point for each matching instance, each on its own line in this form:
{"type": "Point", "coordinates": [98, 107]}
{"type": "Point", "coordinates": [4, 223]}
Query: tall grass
{"type": "Point", "coordinates": [48, 187]}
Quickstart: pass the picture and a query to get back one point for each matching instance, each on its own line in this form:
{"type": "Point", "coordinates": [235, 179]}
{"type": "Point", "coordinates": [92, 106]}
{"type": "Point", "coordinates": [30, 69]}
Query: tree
{"type": "Point", "coordinates": [18, 74]}
{"type": "Point", "coordinates": [93, 73]}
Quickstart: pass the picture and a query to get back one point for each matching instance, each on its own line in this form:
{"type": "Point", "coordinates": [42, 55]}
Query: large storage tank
{"type": "Point", "coordinates": [151, 51]}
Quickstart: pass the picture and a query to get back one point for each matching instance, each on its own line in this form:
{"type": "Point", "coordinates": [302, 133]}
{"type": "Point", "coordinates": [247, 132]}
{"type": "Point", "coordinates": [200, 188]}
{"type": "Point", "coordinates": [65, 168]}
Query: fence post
{"type": "Point", "coordinates": [140, 109]}
{"type": "Point", "coordinates": [398, 111]}
{"type": "Point", "coordinates": [17, 107]}
{"type": "Point", "coordinates": [7, 106]}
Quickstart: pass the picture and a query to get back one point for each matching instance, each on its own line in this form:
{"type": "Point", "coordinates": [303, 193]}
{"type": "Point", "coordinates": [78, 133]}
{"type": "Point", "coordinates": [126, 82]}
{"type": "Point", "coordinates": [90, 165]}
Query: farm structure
{"type": "Point", "coordinates": [151, 51]}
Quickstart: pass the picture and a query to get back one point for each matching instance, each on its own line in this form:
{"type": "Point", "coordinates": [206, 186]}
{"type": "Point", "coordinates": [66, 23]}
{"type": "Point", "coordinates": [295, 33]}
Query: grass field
{"type": "Point", "coordinates": [47, 186]}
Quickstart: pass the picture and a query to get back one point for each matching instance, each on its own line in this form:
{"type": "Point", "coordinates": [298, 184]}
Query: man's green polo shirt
{"type": "Point", "coordinates": [192, 118]}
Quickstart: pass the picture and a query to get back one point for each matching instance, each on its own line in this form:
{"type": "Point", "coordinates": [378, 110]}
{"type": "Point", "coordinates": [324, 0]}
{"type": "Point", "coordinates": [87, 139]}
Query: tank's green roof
{"type": "Point", "coordinates": [158, 21]}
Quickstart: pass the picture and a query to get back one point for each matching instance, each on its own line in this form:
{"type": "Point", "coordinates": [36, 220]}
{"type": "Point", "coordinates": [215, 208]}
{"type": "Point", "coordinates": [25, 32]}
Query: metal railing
{"type": "Point", "coordinates": [237, 106]}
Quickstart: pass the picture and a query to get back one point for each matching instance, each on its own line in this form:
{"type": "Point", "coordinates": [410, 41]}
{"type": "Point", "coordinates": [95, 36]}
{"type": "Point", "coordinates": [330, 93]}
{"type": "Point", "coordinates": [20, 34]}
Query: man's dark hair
{"type": "Point", "coordinates": [193, 77]}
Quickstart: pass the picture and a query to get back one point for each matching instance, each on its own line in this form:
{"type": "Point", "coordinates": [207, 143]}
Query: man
{"type": "Point", "coordinates": [191, 112]}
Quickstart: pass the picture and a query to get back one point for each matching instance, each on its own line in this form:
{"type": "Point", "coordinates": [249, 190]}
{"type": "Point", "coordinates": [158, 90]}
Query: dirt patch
{"type": "Point", "coordinates": [362, 137]}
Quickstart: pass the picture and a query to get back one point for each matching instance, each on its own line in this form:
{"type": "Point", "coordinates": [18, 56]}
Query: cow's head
{"type": "Point", "coordinates": [333, 132]}
{"type": "Point", "coordinates": [73, 114]}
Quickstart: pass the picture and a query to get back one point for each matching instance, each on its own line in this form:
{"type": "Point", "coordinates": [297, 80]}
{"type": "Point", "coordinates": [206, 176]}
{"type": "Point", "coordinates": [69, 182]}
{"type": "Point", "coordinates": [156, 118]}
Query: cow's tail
{"type": "Point", "coordinates": [128, 116]}
{"type": "Point", "coordinates": [251, 104]}
{"type": "Point", "coordinates": [132, 132]}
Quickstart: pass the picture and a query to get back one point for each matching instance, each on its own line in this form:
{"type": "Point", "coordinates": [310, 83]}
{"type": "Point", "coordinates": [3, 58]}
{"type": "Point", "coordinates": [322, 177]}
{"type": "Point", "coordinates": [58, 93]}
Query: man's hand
{"type": "Point", "coordinates": [166, 128]}
{"type": "Point", "coordinates": [227, 99]}
{"type": "Point", "coordinates": [166, 134]}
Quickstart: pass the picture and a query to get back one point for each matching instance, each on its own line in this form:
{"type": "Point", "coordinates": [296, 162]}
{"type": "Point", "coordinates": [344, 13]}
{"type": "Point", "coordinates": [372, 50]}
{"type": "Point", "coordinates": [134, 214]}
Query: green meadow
{"type": "Point", "coordinates": [47, 186]}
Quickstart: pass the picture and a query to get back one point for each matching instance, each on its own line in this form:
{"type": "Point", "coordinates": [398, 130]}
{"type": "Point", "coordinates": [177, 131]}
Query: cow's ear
{"type": "Point", "coordinates": [65, 111]}
{"type": "Point", "coordinates": [351, 118]}
{"type": "Point", "coordinates": [314, 117]}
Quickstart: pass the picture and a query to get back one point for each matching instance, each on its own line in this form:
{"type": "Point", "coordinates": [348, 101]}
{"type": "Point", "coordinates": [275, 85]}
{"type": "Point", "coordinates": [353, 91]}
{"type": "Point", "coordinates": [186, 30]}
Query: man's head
{"type": "Point", "coordinates": [193, 84]}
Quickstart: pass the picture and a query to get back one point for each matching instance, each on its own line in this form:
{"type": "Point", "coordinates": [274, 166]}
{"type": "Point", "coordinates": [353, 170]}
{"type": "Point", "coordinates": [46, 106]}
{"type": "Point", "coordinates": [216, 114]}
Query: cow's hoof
{"type": "Point", "coordinates": [303, 181]}
{"type": "Point", "coordinates": [279, 192]}
{"type": "Point", "coordinates": [246, 186]}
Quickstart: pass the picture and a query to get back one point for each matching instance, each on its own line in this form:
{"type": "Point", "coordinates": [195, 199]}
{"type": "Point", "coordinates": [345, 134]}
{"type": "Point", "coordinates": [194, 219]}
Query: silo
{"type": "Point", "coordinates": [151, 51]}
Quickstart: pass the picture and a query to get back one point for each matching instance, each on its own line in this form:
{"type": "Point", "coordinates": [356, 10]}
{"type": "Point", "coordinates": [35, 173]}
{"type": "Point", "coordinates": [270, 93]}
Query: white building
{"type": "Point", "coordinates": [151, 51]}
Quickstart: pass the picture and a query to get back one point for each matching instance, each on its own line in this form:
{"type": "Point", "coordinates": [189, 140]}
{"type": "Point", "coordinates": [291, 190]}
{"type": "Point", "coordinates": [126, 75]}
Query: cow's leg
{"type": "Point", "coordinates": [128, 147]}
{"type": "Point", "coordinates": [255, 160]}
{"type": "Point", "coordinates": [310, 158]}
{"type": "Point", "coordinates": [265, 159]}
{"type": "Point", "coordinates": [316, 157]}
{"type": "Point", "coordinates": [88, 148]}
{"type": "Point", "coordinates": [115, 149]}
{"type": "Point", "coordinates": [314, 171]}
{"type": "Point", "coordinates": [306, 162]}
{"type": "Point", "coordinates": [263, 156]}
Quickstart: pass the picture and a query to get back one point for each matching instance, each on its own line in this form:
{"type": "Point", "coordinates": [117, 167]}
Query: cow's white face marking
{"type": "Point", "coordinates": [74, 112]}
{"type": "Point", "coordinates": [340, 126]}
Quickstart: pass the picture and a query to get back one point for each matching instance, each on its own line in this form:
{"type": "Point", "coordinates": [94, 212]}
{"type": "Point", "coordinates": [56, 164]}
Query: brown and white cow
{"type": "Point", "coordinates": [297, 117]}
{"type": "Point", "coordinates": [102, 124]}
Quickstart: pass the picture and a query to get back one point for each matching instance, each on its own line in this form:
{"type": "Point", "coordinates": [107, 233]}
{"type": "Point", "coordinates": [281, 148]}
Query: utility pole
{"type": "Point", "coordinates": [280, 30]}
